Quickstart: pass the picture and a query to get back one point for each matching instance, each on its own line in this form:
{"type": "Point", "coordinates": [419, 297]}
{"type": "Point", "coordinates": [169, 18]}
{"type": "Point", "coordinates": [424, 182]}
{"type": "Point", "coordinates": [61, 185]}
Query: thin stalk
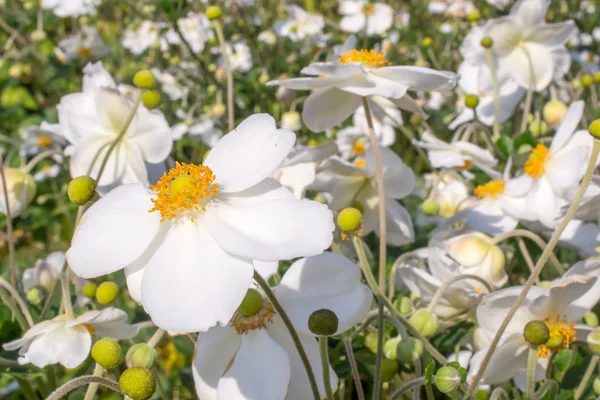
{"type": "Point", "coordinates": [499, 393]}
{"type": "Point", "coordinates": [440, 292]}
{"type": "Point", "coordinates": [324, 350]}
{"type": "Point", "coordinates": [290, 327]}
{"type": "Point", "coordinates": [354, 368]}
{"type": "Point", "coordinates": [529, 97]}
{"type": "Point", "coordinates": [8, 301]}
{"type": "Point", "coordinates": [526, 255]}
{"type": "Point", "coordinates": [48, 302]}
{"type": "Point", "coordinates": [93, 388]}
{"type": "Point", "coordinates": [377, 384]}
{"type": "Point", "coordinates": [586, 377]}
{"type": "Point", "coordinates": [531, 366]}
{"type": "Point", "coordinates": [156, 337]}
{"type": "Point", "coordinates": [490, 60]}
{"type": "Point", "coordinates": [66, 296]}
{"type": "Point", "coordinates": [230, 110]}
{"type": "Point", "coordinates": [415, 383]}
{"type": "Point", "coordinates": [14, 274]}
{"type": "Point", "coordinates": [20, 302]}
{"type": "Point", "coordinates": [116, 142]}
{"type": "Point", "coordinates": [397, 264]}
{"type": "Point", "coordinates": [538, 267]}
{"type": "Point", "coordinates": [548, 386]}
{"type": "Point", "coordinates": [82, 381]}
{"type": "Point", "coordinates": [42, 156]}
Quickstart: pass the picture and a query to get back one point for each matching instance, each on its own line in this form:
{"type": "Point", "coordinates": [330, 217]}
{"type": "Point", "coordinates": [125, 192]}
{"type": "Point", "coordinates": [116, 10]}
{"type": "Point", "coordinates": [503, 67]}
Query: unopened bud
{"type": "Point", "coordinates": [404, 305]}
{"type": "Point", "coordinates": [416, 119]}
{"type": "Point", "coordinates": [371, 341]}
{"type": "Point", "coordinates": [409, 350]}
{"type": "Point", "coordinates": [425, 322]}
{"type": "Point", "coordinates": [137, 383]}
{"type": "Point", "coordinates": [81, 189]}
{"type": "Point", "coordinates": [107, 353]}
{"type": "Point", "coordinates": [536, 333]}
{"type": "Point", "coordinates": [218, 110]}
{"type": "Point", "coordinates": [554, 112]}
{"type": "Point", "coordinates": [427, 41]}
{"type": "Point", "coordinates": [593, 341]}
{"type": "Point", "coordinates": [538, 128]}
{"type": "Point", "coordinates": [38, 35]}
{"type": "Point", "coordinates": [596, 385]}
{"type": "Point", "coordinates": [447, 379]}
{"type": "Point", "coordinates": [389, 369]}
{"type": "Point", "coordinates": [349, 219]}
{"type": "Point", "coordinates": [389, 347]}
{"type": "Point", "coordinates": [323, 322]}
{"type": "Point", "coordinates": [291, 120]}
{"type": "Point", "coordinates": [586, 80]}
{"type": "Point", "coordinates": [474, 16]}
{"type": "Point", "coordinates": [36, 295]}
{"type": "Point", "coordinates": [20, 188]}
{"type": "Point", "coordinates": [144, 79]}
{"type": "Point", "coordinates": [487, 42]}
{"type": "Point", "coordinates": [471, 101]}
{"type": "Point", "coordinates": [591, 319]}
{"type": "Point", "coordinates": [107, 292]}
{"type": "Point", "coordinates": [594, 129]}
{"type": "Point", "coordinates": [140, 355]}
{"type": "Point", "coordinates": [89, 290]}
{"type": "Point", "coordinates": [151, 99]}
{"type": "Point", "coordinates": [430, 207]}
{"type": "Point", "coordinates": [213, 12]}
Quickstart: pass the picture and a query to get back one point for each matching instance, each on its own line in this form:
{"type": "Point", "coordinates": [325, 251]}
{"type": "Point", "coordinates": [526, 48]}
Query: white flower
{"type": "Point", "coordinates": [205, 226]}
{"type": "Point", "coordinates": [92, 119]}
{"type": "Point", "coordinates": [195, 28]}
{"type": "Point", "coordinates": [202, 128]}
{"type": "Point", "coordinates": [47, 171]}
{"type": "Point", "coordinates": [83, 45]}
{"type": "Point", "coordinates": [560, 307]}
{"type": "Point", "coordinates": [169, 84]}
{"type": "Point", "coordinates": [238, 55]}
{"type": "Point", "coordinates": [139, 40]}
{"type": "Point", "coordinates": [524, 43]}
{"type": "Point", "coordinates": [340, 86]}
{"type": "Point", "coordinates": [255, 358]}
{"type": "Point", "coordinates": [362, 15]}
{"type": "Point", "coordinates": [449, 192]}
{"type": "Point", "coordinates": [299, 24]}
{"type": "Point", "coordinates": [71, 8]}
{"type": "Point", "coordinates": [45, 271]}
{"type": "Point", "coordinates": [267, 37]}
{"type": "Point", "coordinates": [351, 183]}
{"type": "Point", "coordinates": [68, 342]}
{"type": "Point", "coordinates": [44, 137]}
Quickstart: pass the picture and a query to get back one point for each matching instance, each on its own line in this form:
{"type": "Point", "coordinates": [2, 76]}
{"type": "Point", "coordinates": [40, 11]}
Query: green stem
{"type": "Point", "coordinates": [538, 267]}
{"type": "Point", "coordinates": [8, 301]}
{"type": "Point", "coordinates": [20, 302]}
{"type": "Point", "coordinates": [91, 391]}
{"type": "Point", "coordinates": [354, 368]}
{"type": "Point", "coordinates": [82, 381]}
{"type": "Point", "coordinates": [531, 366]}
{"type": "Point", "coordinates": [324, 349]}
{"type": "Point", "coordinates": [415, 383]}
{"type": "Point", "coordinates": [490, 60]}
{"type": "Point", "coordinates": [290, 327]}
{"type": "Point", "coordinates": [66, 296]}
{"type": "Point", "coordinates": [551, 386]}
{"type": "Point", "coordinates": [379, 355]}
{"type": "Point", "coordinates": [42, 156]}
{"type": "Point", "coordinates": [586, 377]}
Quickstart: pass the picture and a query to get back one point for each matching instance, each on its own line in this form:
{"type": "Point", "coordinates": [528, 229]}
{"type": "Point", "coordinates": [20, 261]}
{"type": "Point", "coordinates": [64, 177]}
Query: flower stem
{"type": "Point", "coordinates": [551, 386]}
{"type": "Point", "coordinates": [354, 368]}
{"type": "Point", "coordinates": [81, 381]}
{"type": "Point", "coordinates": [325, 365]}
{"type": "Point", "coordinates": [529, 97]}
{"type": "Point", "coordinates": [230, 110]}
{"type": "Point", "coordinates": [156, 337]}
{"type": "Point", "coordinates": [415, 383]}
{"type": "Point", "coordinates": [66, 296]}
{"type": "Point", "coordinates": [14, 274]}
{"type": "Point", "coordinates": [586, 377]}
{"type": "Point", "coordinates": [490, 60]}
{"type": "Point", "coordinates": [531, 366]}
{"type": "Point", "coordinates": [290, 327]}
{"type": "Point", "coordinates": [42, 156]}
{"type": "Point", "coordinates": [8, 301]}
{"type": "Point", "coordinates": [15, 295]}
{"type": "Point", "coordinates": [440, 292]}
{"type": "Point", "coordinates": [91, 391]}
{"type": "Point", "coordinates": [538, 267]}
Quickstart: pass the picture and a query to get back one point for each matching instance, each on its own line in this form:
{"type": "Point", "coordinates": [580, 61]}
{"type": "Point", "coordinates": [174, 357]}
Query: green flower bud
{"type": "Point", "coordinates": [554, 112]}
{"type": "Point", "coordinates": [594, 129]}
{"type": "Point", "coordinates": [323, 322]}
{"type": "Point", "coordinates": [596, 385]}
{"type": "Point", "coordinates": [425, 322]}
{"type": "Point", "coordinates": [107, 292]}
{"type": "Point", "coordinates": [416, 119]}
{"type": "Point", "coordinates": [389, 369]}
{"type": "Point", "coordinates": [371, 341]}
{"type": "Point", "coordinates": [218, 110]}
{"type": "Point", "coordinates": [591, 319]}
{"type": "Point", "coordinates": [38, 35]}
{"type": "Point", "coordinates": [251, 304]}
{"type": "Point", "coordinates": [137, 383]}
{"type": "Point", "coordinates": [471, 101]}
{"type": "Point", "coordinates": [447, 379]}
{"type": "Point", "coordinates": [36, 295]}
{"type": "Point", "coordinates": [107, 353]}
{"type": "Point", "coordinates": [593, 341]}
{"type": "Point", "coordinates": [349, 219]}
{"type": "Point", "coordinates": [213, 12]}
{"type": "Point", "coordinates": [474, 16]}
{"type": "Point", "coordinates": [81, 189]}
{"type": "Point", "coordinates": [89, 290]}
{"type": "Point", "coordinates": [144, 79]}
{"type": "Point", "coordinates": [597, 77]}
{"type": "Point", "coordinates": [404, 305]}
{"type": "Point", "coordinates": [586, 80]}
{"type": "Point", "coordinates": [487, 42]}
{"type": "Point", "coordinates": [409, 350]}
{"type": "Point", "coordinates": [389, 347]}
{"type": "Point", "coordinates": [427, 41]}
{"type": "Point", "coordinates": [430, 207]}
{"type": "Point", "coordinates": [151, 99]}
{"type": "Point", "coordinates": [538, 128]}
{"type": "Point", "coordinates": [536, 333]}
{"type": "Point", "coordinates": [482, 394]}
{"type": "Point", "coordinates": [140, 355]}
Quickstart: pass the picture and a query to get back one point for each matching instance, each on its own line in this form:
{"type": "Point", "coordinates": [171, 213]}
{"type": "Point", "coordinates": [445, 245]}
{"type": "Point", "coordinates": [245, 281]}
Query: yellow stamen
{"type": "Point", "coordinates": [358, 148]}
{"type": "Point", "coordinates": [534, 166]}
{"type": "Point", "coordinates": [84, 52]}
{"type": "Point", "coordinates": [466, 166]}
{"type": "Point", "coordinates": [360, 162]}
{"type": "Point", "coordinates": [477, 289]}
{"type": "Point", "coordinates": [562, 334]}
{"type": "Point", "coordinates": [368, 9]}
{"type": "Point", "coordinates": [370, 58]}
{"type": "Point", "coordinates": [90, 328]}
{"type": "Point", "coordinates": [187, 187]}
{"type": "Point", "coordinates": [490, 189]}
{"type": "Point", "coordinates": [45, 141]}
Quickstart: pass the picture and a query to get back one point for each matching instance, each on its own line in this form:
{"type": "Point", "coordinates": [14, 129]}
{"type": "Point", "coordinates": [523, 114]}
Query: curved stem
{"type": "Point", "coordinates": [397, 264]}
{"type": "Point", "coordinates": [538, 267]}
{"type": "Point", "coordinates": [66, 296]}
{"type": "Point", "coordinates": [586, 377]}
{"type": "Point", "coordinates": [290, 327]}
{"type": "Point", "coordinates": [156, 337]}
{"type": "Point", "coordinates": [415, 383]}
{"type": "Point", "coordinates": [440, 292]}
{"type": "Point", "coordinates": [14, 274]}
{"type": "Point", "coordinates": [35, 160]}
{"type": "Point", "coordinates": [354, 368]}
{"type": "Point", "coordinates": [551, 386]}
{"type": "Point", "coordinates": [499, 393]}
{"type": "Point", "coordinates": [230, 110]}
{"type": "Point", "coordinates": [399, 327]}
{"type": "Point", "coordinates": [81, 381]}
{"type": "Point", "coordinates": [531, 366]}
{"type": "Point", "coordinates": [324, 350]}
{"type": "Point", "coordinates": [490, 60]}
{"type": "Point", "coordinates": [116, 142]}
{"type": "Point", "coordinates": [8, 301]}
{"type": "Point", "coordinates": [15, 295]}
{"type": "Point", "coordinates": [91, 391]}
{"type": "Point", "coordinates": [48, 302]}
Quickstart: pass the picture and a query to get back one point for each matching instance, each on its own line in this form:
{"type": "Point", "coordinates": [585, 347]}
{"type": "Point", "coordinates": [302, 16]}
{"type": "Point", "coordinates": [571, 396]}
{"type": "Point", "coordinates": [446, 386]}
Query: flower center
{"type": "Point", "coordinates": [187, 187]}
{"type": "Point", "coordinates": [491, 189]}
{"type": "Point", "coordinates": [360, 162]}
{"type": "Point", "coordinates": [562, 334]}
{"type": "Point", "coordinates": [466, 166]}
{"type": "Point", "coordinates": [252, 314]}
{"type": "Point", "coordinates": [44, 141]}
{"type": "Point", "coordinates": [534, 166]}
{"type": "Point", "coordinates": [370, 58]}
{"type": "Point", "coordinates": [358, 148]}
{"type": "Point", "coordinates": [90, 328]}
{"type": "Point", "coordinates": [368, 9]}
{"type": "Point", "coordinates": [84, 52]}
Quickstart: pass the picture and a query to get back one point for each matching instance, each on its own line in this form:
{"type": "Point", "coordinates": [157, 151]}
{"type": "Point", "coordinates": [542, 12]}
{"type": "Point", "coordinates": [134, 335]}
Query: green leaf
{"type": "Point", "coordinates": [429, 371]}
{"type": "Point", "coordinates": [505, 144]}
{"type": "Point", "coordinates": [524, 138]}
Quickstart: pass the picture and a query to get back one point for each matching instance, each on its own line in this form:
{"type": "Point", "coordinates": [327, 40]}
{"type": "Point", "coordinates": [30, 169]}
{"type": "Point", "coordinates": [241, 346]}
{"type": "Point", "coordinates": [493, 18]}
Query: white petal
{"type": "Point", "coordinates": [553, 35]}
{"type": "Point", "coordinates": [560, 299]}
{"type": "Point", "coordinates": [114, 111]}
{"type": "Point", "coordinates": [109, 322]}
{"type": "Point", "coordinates": [326, 108]}
{"type": "Point", "coordinates": [260, 370]}
{"type": "Point", "coordinates": [506, 362]}
{"type": "Point", "coordinates": [67, 346]}
{"type": "Point", "coordinates": [153, 135]}
{"type": "Point", "coordinates": [540, 58]}
{"type": "Point", "coordinates": [329, 281]}
{"type": "Point", "coordinates": [488, 217]}
{"type": "Point", "coordinates": [32, 333]}
{"type": "Point", "coordinates": [266, 268]}
{"type": "Point", "coordinates": [353, 23]}
{"type": "Point", "coordinates": [214, 351]}
{"type": "Point", "coordinates": [188, 272]}
{"type": "Point", "coordinates": [566, 168]}
{"type": "Point", "coordinates": [505, 33]}
{"type": "Point", "coordinates": [419, 78]}
{"type": "Point", "coordinates": [113, 232]}
{"type": "Point", "coordinates": [399, 225]}
{"type": "Point", "coordinates": [398, 179]}
{"type": "Point", "coordinates": [568, 125]}
{"type": "Point", "coordinates": [373, 85]}
{"type": "Point", "coordinates": [249, 153]}
{"type": "Point", "coordinates": [531, 12]}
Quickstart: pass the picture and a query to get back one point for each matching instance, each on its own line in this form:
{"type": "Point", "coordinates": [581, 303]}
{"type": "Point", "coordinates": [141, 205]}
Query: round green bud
{"type": "Point", "coordinates": [427, 41]}
{"type": "Point", "coordinates": [213, 12]}
{"type": "Point", "coordinates": [487, 42]}
{"type": "Point", "coordinates": [107, 353]}
{"type": "Point", "coordinates": [594, 129]}
{"type": "Point", "coordinates": [349, 219]}
{"type": "Point", "coordinates": [425, 322]}
{"type": "Point", "coordinates": [430, 207]}
{"type": "Point", "coordinates": [251, 304]}
{"type": "Point", "coordinates": [593, 341]}
{"type": "Point", "coordinates": [416, 119]}
{"type": "Point", "coordinates": [474, 16]}
{"type": "Point", "coordinates": [36, 295]}
{"type": "Point", "coordinates": [389, 347]}
{"type": "Point", "coordinates": [471, 101]}
{"type": "Point", "coordinates": [538, 128]}
{"type": "Point", "coordinates": [38, 35]}
{"type": "Point", "coordinates": [597, 77]}
{"type": "Point", "coordinates": [81, 189]}
{"type": "Point", "coordinates": [586, 80]}
{"type": "Point", "coordinates": [536, 333]}
{"type": "Point", "coordinates": [218, 110]}
{"type": "Point", "coordinates": [137, 383]}
{"type": "Point", "coordinates": [409, 350]}
{"type": "Point", "coordinates": [89, 290]}
{"type": "Point", "coordinates": [404, 305]}
{"type": "Point", "coordinates": [576, 84]}
{"type": "Point", "coordinates": [591, 319]}
{"type": "Point", "coordinates": [482, 395]}
{"type": "Point", "coordinates": [554, 112]}
{"type": "Point", "coordinates": [151, 99]}
{"type": "Point", "coordinates": [389, 369]}
{"type": "Point", "coordinates": [144, 79]}
{"type": "Point", "coordinates": [596, 385]}
{"type": "Point", "coordinates": [107, 292]}
{"type": "Point", "coordinates": [313, 142]}
{"type": "Point", "coordinates": [371, 341]}
{"type": "Point", "coordinates": [447, 379]}
{"type": "Point", "coordinates": [323, 322]}
{"type": "Point", "coordinates": [140, 355]}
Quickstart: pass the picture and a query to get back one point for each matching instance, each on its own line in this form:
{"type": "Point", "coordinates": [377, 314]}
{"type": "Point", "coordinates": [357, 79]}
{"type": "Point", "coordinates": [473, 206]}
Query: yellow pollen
{"type": "Point", "coordinates": [368, 9]}
{"type": "Point", "coordinates": [90, 329]}
{"type": "Point", "coordinates": [562, 334]}
{"type": "Point", "coordinates": [466, 166]}
{"type": "Point", "coordinates": [370, 58]}
{"type": "Point", "coordinates": [534, 166]}
{"type": "Point", "coordinates": [84, 52]}
{"type": "Point", "coordinates": [490, 189]}
{"type": "Point", "coordinates": [45, 141]}
{"type": "Point", "coordinates": [184, 188]}
{"type": "Point", "coordinates": [360, 162]}
{"type": "Point", "coordinates": [358, 148]}
{"type": "Point", "coordinates": [258, 320]}
{"type": "Point", "coordinates": [477, 289]}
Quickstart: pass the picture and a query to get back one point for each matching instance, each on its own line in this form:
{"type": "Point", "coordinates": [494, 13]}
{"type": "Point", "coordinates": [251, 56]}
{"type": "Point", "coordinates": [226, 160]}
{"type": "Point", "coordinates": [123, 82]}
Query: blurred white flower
{"type": "Point", "coordinates": [45, 272]}
{"type": "Point", "coordinates": [195, 28]}
{"type": "Point", "coordinates": [299, 24]}
{"type": "Point", "coordinates": [142, 38]}
{"type": "Point", "coordinates": [70, 8]}
{"type": "Point", "coordinates": [169, 84]}
{"type": "Point", "coordinates": [85, 44]}
{"type": "Point", "coordinates": [20, 190]}
{"type": "Point", "coordinates": [45, 137]}
{"type": "Point", "coordinates": [202, 128]}
{"type": "Point", "coordinates": [365, 16]}
{"type": "Point", "coordinates": [238, 55]}
{"type": "Point", "coordinates": [47, 172]}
